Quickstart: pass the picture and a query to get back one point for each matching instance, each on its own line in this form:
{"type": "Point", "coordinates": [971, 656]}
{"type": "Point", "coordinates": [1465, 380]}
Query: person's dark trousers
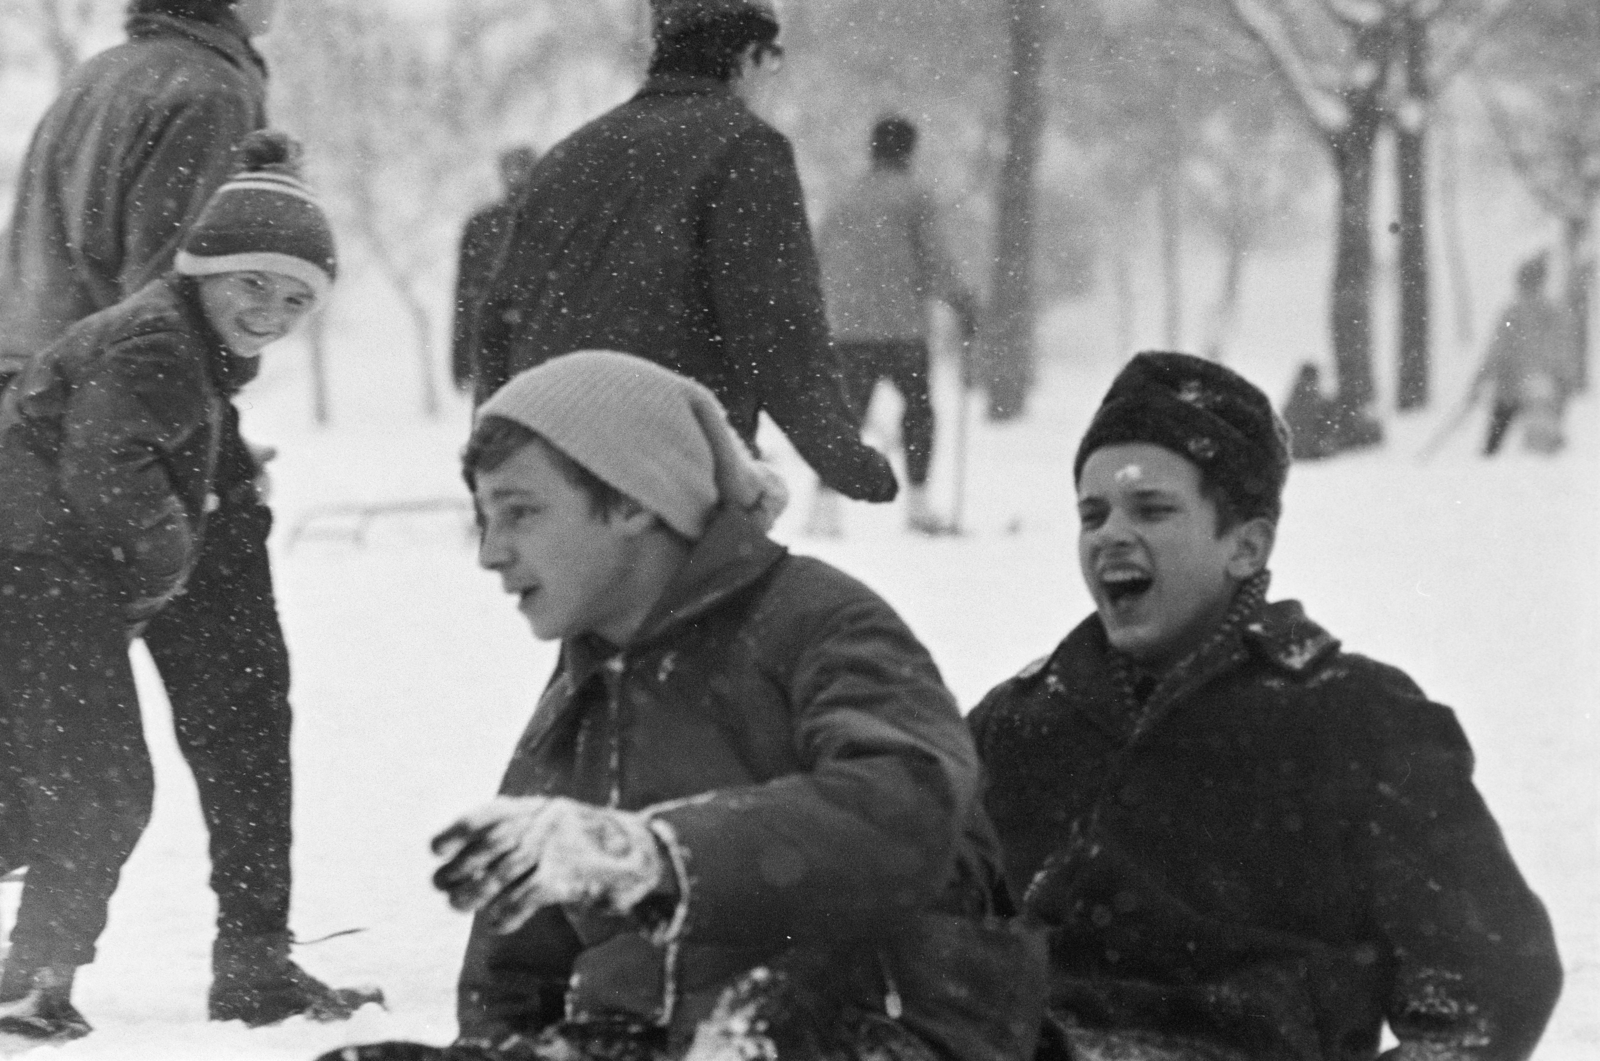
{"type": "Point", "coordinates": [220, 650]}
{"type": "Point", "coordinates": [904, 363]}
{"type": "Point", "coordinates": [69, 715]}
{"type": "Point", "coordinates": [1500, 418]}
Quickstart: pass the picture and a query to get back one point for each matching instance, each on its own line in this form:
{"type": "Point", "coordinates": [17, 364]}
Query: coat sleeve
{"type": "Point", "coordinates": [766, 290]}
{"type": "Point", "coordinates": [870, 824]}
{"type": "Point", "coordinates": [137, 405]}
{"type": "Point", "coordinates": [189, 155]}
{"type": "Point", "coordinates": [1475, 967]}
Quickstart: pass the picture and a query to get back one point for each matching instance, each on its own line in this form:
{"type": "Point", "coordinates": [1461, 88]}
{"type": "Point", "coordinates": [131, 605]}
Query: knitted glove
{"type": "Point", "coordinates": [516, 855]}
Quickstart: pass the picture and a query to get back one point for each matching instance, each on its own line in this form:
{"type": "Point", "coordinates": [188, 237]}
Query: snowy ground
{"type": "Point", "coordinates": [413, 676]}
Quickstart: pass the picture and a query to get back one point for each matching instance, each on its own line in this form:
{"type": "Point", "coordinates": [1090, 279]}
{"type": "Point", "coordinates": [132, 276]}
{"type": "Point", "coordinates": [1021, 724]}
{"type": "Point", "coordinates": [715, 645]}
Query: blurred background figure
{"type": "Point", "coordinates": [883, 261]}
{"type": "Point", "coordinates": [1312, 417]}
{"type": "Point", "coordinates": [485, 233]}
{"type": "Point", "coordinates": [1531, 366]}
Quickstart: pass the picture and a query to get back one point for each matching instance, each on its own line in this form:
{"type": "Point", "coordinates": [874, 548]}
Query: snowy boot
{"type": "Point", "coordinates": [38, 1006]}
{"type": "Point", "coordinates": [253, 979]}
{"type": "Point", "coordinates": [920, 518]}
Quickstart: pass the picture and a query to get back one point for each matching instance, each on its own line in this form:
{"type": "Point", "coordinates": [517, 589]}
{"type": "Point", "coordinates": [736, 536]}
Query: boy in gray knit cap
{"type": "Point", "coordinates": [745, 785]}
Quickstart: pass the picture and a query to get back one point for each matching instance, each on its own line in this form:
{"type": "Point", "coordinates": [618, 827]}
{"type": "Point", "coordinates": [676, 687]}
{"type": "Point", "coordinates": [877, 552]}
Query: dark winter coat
{"type": "Point", "coordinates": [109, 443]}
{"type": "Point", "coordinates": [674, 228]}
{"type": "Point", "coordinates": [796, 738]}
{"type": "Point", "coordinates": [481, 239]}
{"type": "Point", "coordinates": [1290, 853]}
{"type": "Point", "coordinates": [118, 169]}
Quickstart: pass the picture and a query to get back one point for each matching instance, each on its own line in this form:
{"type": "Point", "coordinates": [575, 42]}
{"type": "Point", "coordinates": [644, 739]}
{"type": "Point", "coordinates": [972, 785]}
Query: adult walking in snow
{"type": "Point", "coordinates": [745, 814]}
{"type": "Point", "coordinates": [481, 239]}
{"type": "Point", "coordinates": [1532, 364]}
{"type": "Point", "coordinates": [109, 465]}
{"type": "Point", "coordinates": [119, 168]}
{"type": "Point", "coordinates": [883, 261]}
{"type": "Point", "coordinates": [674, 228]}
{"type": "Point", "coordinates": [1244, 842]}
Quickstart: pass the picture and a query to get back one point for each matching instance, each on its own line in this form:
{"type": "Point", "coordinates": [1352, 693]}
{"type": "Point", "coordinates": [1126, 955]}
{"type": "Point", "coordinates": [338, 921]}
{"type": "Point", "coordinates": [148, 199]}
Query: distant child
{"type": "Point", "coordinates": [1531, 366]}
{"type": "Point", "coordinates": [1243, 842]}
{"type": "Point", "coordinates": [109, 442]}
{"type": "Point", "coordinates": [744, 781]}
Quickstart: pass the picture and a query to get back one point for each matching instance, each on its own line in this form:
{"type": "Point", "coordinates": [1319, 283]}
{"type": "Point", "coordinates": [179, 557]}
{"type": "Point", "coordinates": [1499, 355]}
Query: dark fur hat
{"type": "Point", "coordinates": [1206, 413]}
{"type": "Point", "coordinates": [673, 17]}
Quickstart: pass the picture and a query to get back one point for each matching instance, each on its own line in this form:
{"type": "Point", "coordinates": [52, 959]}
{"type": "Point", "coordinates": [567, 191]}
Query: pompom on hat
{"type": "Point", "coordinates": [264, 219]}
{"type": "Point", "coordinates": [657, 436]}
{"type": "Point", "coordinates": [1204, 412]}
{"type": "Point", "coordinates": [672, 17]}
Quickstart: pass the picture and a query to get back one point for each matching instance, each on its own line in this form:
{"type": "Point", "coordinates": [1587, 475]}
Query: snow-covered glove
{"type": "Point", "coordinates": [259, 456]}
{"type": "Point", "coordinates": [516, 855]}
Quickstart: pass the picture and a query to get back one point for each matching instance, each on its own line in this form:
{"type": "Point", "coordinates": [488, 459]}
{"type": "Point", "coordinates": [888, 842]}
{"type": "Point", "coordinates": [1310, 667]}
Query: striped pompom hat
{"type": "Point", "coordinates": [264, 219]}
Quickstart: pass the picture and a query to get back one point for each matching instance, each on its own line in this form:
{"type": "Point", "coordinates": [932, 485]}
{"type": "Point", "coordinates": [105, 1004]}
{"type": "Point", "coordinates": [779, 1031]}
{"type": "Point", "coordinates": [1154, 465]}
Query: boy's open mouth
{"type": "Point", "coordinates": [1125, 584]}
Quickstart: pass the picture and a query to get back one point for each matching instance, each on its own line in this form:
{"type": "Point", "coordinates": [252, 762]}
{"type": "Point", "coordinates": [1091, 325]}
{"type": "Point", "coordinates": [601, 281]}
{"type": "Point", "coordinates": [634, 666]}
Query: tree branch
{"type": "Point", "coordinates": [1456, 58]}
{"type": "Point", "coordinates": [1322, 109]}
{"type": "Point", "coordinates": [1551, 195]}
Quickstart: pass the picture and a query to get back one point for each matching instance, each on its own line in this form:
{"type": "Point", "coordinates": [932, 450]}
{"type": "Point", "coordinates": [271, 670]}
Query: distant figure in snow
{"type": "Point", "coordinates": [744, 819]}
{"type": "Point", "coordinates": [108, 472]}
{"type": "Point", "coordinates": [119, 168]}
{"type": "Point", "coordinates": [883, 261]}
{"type": "Point", "coordinates": [1531, 366]}
{"type": "Point", "coordinates": [674, 227]}
{"type": "Point", "coordinates": [1311, 416]}
{"type": "Point", "coordinates": [1243, 842]}
{"type": "Point", "coordinates": [481, 241]}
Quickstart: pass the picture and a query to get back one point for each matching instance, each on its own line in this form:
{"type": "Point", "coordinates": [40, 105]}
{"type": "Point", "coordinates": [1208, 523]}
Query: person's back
{"type": "Point", "coordinates": [120, 166]}
{"type": "Point", "coordinates": [674, 227]}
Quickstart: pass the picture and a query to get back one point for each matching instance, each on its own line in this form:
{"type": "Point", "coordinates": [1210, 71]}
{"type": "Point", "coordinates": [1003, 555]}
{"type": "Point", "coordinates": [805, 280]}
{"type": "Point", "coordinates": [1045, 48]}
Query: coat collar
{"type": "Point", "coordinates": [731, 555]}
{"type": "Point", "coordinates": [1280, 634]}
{"type": "Point", "coordinates": [226, 35]}
{"type": "Point", "coordinates": [683, 85]}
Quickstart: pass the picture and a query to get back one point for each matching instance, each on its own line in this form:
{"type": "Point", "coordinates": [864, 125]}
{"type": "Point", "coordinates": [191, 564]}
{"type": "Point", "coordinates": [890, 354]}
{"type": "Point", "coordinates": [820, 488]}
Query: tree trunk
{"type": "Point", "coordinates": [1411, 166]}
{"type": "Point", "coordinates": [1008, 360]}
{"type": "Point", "coordinates": [1225, 315]}
{"type": "Point", "coordinates": [1578, 238]}
{"type": "Point", "coordinates": [317, 339]}
{"type": "Point", "coordinates": [1351, 310]}
{"type": "Point", "coordinates": [1170, 205]}
{"type": "Point", "coordinates": [1454, 249]}
{"type": "Point", "coordinates": [1122, 285]}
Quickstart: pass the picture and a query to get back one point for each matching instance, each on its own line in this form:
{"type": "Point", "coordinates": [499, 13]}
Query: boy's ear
{"type": "Point", "coordinates": [631, 517]}
{"type": "Point", "coordinates": [1252, 547]}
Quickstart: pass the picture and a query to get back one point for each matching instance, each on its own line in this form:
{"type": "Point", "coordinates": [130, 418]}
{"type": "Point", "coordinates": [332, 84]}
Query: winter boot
{"type": "Point", "coordinates": [253, 979]}
{"type": "Point", "coordinates": [42, 1008]}
{"type": "Point", "coordinates": [919, 514]}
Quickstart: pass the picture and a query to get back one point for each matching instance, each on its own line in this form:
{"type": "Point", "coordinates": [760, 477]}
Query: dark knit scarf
{"type": "Point", "coordinates": [1147, 694]}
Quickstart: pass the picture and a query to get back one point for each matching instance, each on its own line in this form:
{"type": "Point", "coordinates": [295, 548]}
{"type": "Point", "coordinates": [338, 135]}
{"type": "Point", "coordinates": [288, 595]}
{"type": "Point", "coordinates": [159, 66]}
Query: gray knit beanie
{"type": "Point", "coordinates": [657, 436]}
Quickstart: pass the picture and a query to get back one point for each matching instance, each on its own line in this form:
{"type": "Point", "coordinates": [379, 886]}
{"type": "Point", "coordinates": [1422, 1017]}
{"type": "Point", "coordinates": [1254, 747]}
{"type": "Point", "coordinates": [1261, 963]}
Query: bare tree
{"type": "Point", "coordinates": [59, 28]}
{"type": "Point", "coordinates": [401, 119]}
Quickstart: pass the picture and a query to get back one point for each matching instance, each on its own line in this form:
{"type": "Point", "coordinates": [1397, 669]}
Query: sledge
{"type": "Point", "coordinates": [352, 522]}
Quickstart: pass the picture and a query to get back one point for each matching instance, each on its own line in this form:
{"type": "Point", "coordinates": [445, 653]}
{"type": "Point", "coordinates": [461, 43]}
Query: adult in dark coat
{"type": "Point", "coordinates": [118, 170]}
{"type": "Point", "coordinates": [481, 239]}
{"type": "Point", "coordinates": [674, 227]}
{"type": "Point", "coordinates": [1256, 846]}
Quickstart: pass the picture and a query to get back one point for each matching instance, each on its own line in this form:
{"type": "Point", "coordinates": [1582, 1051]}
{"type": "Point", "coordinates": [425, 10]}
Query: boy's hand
{"type": "Point", "coordinates": [514, 856]}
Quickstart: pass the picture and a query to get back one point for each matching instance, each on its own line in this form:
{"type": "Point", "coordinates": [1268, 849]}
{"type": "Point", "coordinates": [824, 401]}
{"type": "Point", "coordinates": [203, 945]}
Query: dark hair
{"type": "Point", "coordinates": [894, 139]}
{"type": "Point", "coordinates": [496, 439]}
{"type": "Point", "coordinates": [194, 10]}
{"type": "Point", "coordinates": [712, 48]}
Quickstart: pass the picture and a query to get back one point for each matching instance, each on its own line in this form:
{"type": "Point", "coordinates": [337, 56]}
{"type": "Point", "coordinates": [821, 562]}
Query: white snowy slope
{"type": "Point", "coordinates": [412, 676]}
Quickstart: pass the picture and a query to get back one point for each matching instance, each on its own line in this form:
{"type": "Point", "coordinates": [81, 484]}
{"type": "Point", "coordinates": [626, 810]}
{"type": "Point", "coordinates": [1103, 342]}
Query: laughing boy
{"type": "Point", "coordinates": [1243, 842]}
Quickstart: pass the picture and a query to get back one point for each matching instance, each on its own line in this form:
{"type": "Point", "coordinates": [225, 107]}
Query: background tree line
{"type": "Point", "coordinates": [1052, 127]}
